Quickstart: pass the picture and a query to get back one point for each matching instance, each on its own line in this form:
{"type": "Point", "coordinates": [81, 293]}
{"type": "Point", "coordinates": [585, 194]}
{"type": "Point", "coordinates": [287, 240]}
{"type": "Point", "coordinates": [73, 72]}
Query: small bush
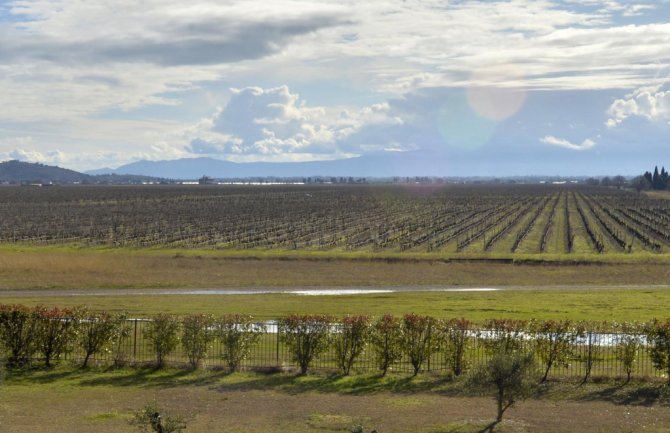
{"type": "Point", "coordinates": [455, 335]}
{"type": "Point", "coordinates": [503, 335]}
{"type": "Point", "coordinates": [554, 342]}
{"type": "Point", "coordinates": [238, 334]}
{"type": "Point", "coordinates": [419, 339]}
{"type": "Point", "coordinates": [386, 339]}
{"type": "Point", "coordinates": [152, 419]}
{"type": "Point", "coordinates": [658, 335]}
{"type": "Point", "coordinates": [55, 330]}
{"type": "Point", "coordinates": [197, 336]}
{"type": "Point", "coordinates": [589, 333]}
{"type": "Point", "coordinates": [18, 333]}
{"type": "Point", "coordinates": [98, 332]}
{"type": "Point", "coordinates": [628, 344]}
{"type": "Point", "coordinates": [305, 336]}
{"type": "Point", "coordinates": [163, 333]}
{"type": "Point", "coordinates": [350, 341]}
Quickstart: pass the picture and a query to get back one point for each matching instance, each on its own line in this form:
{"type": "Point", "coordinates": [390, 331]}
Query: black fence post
{"type": "Point", "coordinates": [135, 342]}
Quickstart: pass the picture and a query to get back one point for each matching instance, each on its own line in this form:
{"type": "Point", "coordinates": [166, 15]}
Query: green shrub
{"type": "Point", "coordinates": [628, 344]}
{"type": "Point", "coordinates": [554, 342]}
{"type": "Point", "coordinates": [503, 335]}
{"type": "Point", "coordinates": [55, 330]}
{"type": "Point", "coordinates": [163, 333]}
{"type": "Point", "coordinates": [455, 335]}
{"type": "Point", "coordinates": [305, 336]}
{"type": "Point", "coordinates": [386, 340]}
{"type": "Point", "coordinates": [99, 331]}
{"type": "Point", "coordinates": [658, 336]}
{"type": "Point", "coordinates": [238, 334]}
{"type": "Point", "coordinates": [350, 341]}
{"type": "Point", "coordinates": [153, 419]}
{"type": "Point", "coordinates": [17, 333]}
{"type": "Point", "coordinates": [420, 339]}
{"type": "Point", "coordinates": [197, 336]}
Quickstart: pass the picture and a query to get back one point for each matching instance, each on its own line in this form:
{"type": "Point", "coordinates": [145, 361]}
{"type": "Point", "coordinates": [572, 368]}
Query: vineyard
{"type": "Point", "coordinates": [449, 219]}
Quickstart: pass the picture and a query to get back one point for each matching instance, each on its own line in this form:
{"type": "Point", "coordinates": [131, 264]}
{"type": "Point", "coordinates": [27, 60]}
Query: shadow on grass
{"type": "Point", "coordinates": [631, 394]}
{"type": "Point", "coordinates": [337, 383]}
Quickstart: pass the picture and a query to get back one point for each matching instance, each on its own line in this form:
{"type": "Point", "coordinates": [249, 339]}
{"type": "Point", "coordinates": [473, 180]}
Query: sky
{"type": "Point", "coordinates": [487, 87]}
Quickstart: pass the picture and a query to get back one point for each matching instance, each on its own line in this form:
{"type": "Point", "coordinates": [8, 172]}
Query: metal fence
{"type": "Point", "coordinates": [269, 352]}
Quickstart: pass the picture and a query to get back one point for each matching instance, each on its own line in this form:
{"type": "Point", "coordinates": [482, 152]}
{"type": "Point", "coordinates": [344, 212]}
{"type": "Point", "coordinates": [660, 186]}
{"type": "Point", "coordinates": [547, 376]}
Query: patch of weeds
{"type": "Point", "coordinates": [106, 416]}
{"type": "Point", "coordinates": [337, 422]}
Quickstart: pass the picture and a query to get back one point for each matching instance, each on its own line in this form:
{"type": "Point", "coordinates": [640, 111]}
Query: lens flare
{"type": "Point", "coordinates": [493, 94]}
{"type": "Point", "coordinates": [461, 127]}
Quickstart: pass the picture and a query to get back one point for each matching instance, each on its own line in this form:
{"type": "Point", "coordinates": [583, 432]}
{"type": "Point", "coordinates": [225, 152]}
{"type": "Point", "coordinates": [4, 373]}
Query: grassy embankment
{"type": "Point", "coordinates": [597, 287]}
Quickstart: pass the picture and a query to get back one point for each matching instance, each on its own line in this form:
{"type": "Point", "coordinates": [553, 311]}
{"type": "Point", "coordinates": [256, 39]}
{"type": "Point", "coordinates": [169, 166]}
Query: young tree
{"type": "Point", "coordinates": [163, 333]}
{"type": "Point", "coordinates": [508, 375]}
{"type": "Point", "coordinates": [386, 339]}
{"type": "Point", "coordinates": [55, 330]}
{"type": "Point", "coordinates": [17, 333]}
{"type": "Point", "coordinates": [420, 339]}
{"type": "Point", "coordinates": [197, 336]}
{"type": "Point", "coordinates": [456, 336]}
{"type": "Point", "coordinates": [305, 336]}
{"type": "Point", "coordinates": [589, 332]}
{"type": "Point", "coordinates": [554, 342]}
{"type": "Point", "coordinates": [658, 336]}
{"type": "Point", "coordinates": [238, 334]}
{"type": "Point", "coordinates": [98, 332]}
{"type": "Point", "coordinates": [629, 342]}
{"type": "Point", "coordinates": [350, 341]}
{"type": "Point", "coordinates": [503, 335]}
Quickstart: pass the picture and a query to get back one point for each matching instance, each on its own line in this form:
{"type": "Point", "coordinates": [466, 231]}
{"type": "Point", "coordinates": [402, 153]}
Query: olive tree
{"type": "Point", "coordinates": [508, 376]}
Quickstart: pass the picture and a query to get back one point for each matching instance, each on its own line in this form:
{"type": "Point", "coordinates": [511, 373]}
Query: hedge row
{"type": "Point", "coordinates": [42, 334]}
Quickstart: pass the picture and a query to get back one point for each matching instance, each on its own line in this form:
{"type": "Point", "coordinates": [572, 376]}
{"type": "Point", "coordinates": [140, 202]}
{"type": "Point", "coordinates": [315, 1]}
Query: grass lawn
{"type": "Point", "coordinates": [100, 401]}
{"type": "Point", "coordinates": [562, 303]}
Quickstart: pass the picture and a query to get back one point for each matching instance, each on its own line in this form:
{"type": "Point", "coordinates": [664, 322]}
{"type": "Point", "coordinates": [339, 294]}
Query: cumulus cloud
{"type": "Point", "coordinates": [267, 122]}
{"type": "Point", "coordinates": [650, 103]}
{"type": "Point", "coordinates": [561, 142]}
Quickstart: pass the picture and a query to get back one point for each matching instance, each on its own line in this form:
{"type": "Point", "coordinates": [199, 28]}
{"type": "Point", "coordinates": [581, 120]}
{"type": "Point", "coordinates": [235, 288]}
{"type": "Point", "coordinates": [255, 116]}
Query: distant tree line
{"type": "Point", "coordinates": [658, 180]}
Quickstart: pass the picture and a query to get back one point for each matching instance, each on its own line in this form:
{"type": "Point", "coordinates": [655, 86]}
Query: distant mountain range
{"type": "Point", "coordinates": [28, 172]}
{"type": "Point", "coordinates": [22, 172]}
{"type": "Point", "coordinates": [382, 165]}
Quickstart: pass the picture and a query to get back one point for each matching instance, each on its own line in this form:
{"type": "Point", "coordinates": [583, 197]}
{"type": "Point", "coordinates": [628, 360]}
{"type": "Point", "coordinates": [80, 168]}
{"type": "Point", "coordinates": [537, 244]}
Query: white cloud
{"type": "Point", "coordinates": [555, 141]}
{"type": "Point", "coordinates": [96, 78]}
{"type": "Point", "coordinates": [648, 102]}
{"type": "Point", "coordinates": [273, 122]}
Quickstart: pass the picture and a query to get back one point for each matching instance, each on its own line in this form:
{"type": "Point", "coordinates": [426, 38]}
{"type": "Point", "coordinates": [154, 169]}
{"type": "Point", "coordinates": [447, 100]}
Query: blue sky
{"type": "Point", "coordinates": [496, 87]}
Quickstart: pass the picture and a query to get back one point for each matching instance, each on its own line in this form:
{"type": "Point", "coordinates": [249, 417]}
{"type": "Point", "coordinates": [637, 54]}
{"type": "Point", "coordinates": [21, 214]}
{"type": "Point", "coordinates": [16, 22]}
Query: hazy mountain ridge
{"type": "Point", "coordinates": [21, 172]}
{"type": "Point", "coordinates": [15, 171]}
{"type": "Point", "coordinates": [381, 165]}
